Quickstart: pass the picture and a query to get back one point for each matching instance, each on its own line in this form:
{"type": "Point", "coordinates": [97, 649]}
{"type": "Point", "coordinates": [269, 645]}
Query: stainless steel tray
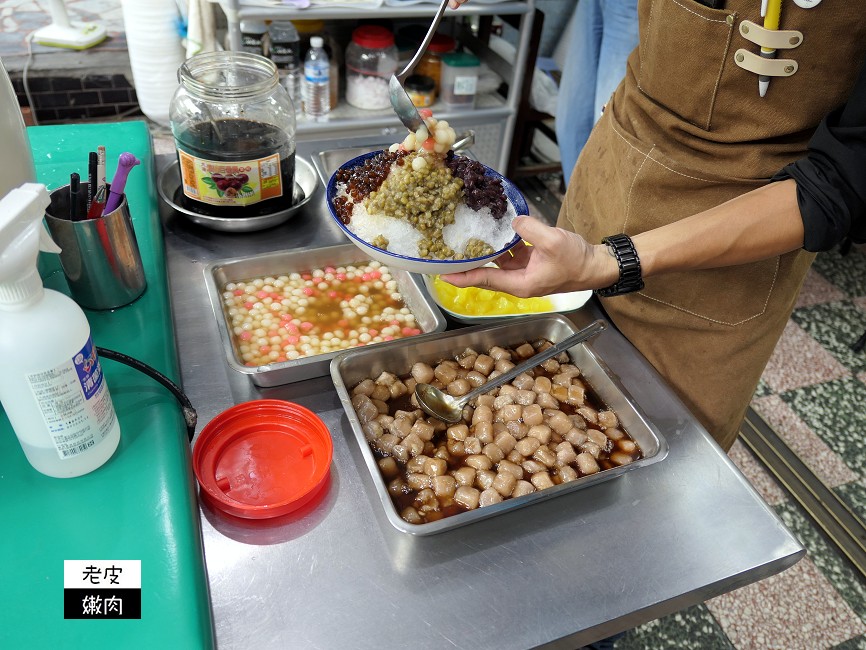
{"type": "Point", "coordinates": [218, 273]}
{"type": "Point", "coordinates": [351, 367]}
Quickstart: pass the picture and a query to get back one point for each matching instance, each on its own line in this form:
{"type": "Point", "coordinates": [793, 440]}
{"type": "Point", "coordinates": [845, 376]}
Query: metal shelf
{"type": "Point", "coordinates": [345, 119]}
{"type": "Point", "coordinates": [234, 12]}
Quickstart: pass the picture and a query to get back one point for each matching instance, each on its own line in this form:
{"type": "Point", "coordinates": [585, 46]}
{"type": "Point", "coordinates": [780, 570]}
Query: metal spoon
{"type": "Point", "coordinates": [450, 409]}
{"type": "Point", "coordinates": [400, 100]}
{"type": "Point", "coordinates": [464, 141]}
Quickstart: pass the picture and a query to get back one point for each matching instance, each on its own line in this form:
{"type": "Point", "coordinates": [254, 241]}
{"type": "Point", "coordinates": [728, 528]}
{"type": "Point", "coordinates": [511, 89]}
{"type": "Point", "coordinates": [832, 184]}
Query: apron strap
{"type": "Point", "coordinates": [772, 39]}
{"type": "Point", "coordinates": [765, 67]}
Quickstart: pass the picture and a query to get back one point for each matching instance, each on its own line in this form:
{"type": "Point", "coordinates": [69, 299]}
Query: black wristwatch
{"type": "Point", "coordinates": [629, 267]}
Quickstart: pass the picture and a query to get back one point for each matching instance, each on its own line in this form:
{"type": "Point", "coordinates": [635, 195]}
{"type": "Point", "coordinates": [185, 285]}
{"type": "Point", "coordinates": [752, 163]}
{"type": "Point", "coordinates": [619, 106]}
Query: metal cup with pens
{"type": "Point", "coordinates": [99, 254]}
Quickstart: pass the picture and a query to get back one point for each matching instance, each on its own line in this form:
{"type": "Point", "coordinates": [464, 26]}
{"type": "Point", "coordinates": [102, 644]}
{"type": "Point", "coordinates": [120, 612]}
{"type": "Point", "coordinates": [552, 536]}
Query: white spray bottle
{"type": "Point", "coordinates": [51, 386]}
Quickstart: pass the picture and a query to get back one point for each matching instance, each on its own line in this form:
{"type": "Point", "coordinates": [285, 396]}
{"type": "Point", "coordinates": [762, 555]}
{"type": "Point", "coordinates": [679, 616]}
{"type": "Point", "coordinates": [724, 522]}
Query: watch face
{"type": "Point", "coordinates": [806, 4]}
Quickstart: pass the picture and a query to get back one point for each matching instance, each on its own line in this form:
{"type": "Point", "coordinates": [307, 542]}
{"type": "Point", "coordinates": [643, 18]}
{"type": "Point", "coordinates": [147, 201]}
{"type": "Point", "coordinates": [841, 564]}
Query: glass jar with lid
{"type": "Point", "coordinates": [234, 129]}
{"type": "Point", "coordinates": [421, 90]}
{"type": "Point", "coordinates": [371, 59]}
{"type": "Point", "coordinates": [459, 79]}
{"type": "Point", "coordinates": [430, 64]}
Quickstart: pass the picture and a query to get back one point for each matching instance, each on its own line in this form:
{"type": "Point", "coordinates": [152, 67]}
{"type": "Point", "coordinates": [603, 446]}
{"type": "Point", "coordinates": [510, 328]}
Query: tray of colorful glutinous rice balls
{"type": "Point", "coordinates": [564, 426]}
{"type": "Point", "coordinates": [283, 316]}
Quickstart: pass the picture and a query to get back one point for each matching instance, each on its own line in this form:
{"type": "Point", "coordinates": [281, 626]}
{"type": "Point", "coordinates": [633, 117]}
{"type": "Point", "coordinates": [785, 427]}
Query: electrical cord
{"type": "Point", "coordinates": [189, 414]}
{"type": "Point", "coordinates": [25, 80]}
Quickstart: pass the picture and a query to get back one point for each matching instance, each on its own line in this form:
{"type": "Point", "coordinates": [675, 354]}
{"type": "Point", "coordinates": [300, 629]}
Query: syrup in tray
{"type": "Point", "coordinates": [403, 403]}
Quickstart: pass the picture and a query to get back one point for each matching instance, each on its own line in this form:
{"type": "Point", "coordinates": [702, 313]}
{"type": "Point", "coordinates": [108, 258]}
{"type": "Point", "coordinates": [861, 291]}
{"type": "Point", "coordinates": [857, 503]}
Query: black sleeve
{"type": "Point", "coordinates": [831, 179]}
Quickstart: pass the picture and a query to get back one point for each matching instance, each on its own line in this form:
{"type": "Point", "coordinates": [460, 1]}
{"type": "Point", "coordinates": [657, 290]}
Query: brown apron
{"type": "Point", "coordinates": [687, 130]}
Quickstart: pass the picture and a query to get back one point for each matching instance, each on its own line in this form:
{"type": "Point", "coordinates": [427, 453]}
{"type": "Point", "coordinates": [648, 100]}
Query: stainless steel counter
{"type": "Point", "coordinates": [562, 573]}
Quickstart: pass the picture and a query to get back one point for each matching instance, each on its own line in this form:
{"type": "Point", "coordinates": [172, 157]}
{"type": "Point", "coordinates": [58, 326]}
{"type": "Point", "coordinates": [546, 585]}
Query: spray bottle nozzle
{"type": "Point", "coordinates": [19, 210]}
{"type": "Point", "coordinates": [22, 235]}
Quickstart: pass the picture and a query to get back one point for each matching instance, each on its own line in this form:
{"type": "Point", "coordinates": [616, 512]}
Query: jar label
{"type": "Point", "coordinates": [465, 85]}
{"type": "Point", "coordinates": [75, 402]}
{"type": "Point", "coordinates": [252, 43]}
{"type": "Point", "coordinates": [285, 55]}
{"type": "Point", "coordinates": [217, 182]}
{"type": "Point", "coordinates": [421, 99]}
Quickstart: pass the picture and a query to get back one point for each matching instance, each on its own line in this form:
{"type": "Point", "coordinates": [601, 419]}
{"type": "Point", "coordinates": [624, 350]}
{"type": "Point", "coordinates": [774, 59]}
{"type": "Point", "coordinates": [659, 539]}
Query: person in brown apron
{"type": "Point", "coordinates": [685, 131]}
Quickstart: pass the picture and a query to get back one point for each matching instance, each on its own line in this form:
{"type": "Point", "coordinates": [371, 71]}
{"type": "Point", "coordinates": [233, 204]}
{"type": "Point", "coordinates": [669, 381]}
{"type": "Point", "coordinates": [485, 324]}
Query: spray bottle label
{"type": "Point", "coordinates": [75, 402]}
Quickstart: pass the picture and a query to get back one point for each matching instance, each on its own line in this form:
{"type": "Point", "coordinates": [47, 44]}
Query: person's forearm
{"type": "Point", "coordinates": [760, 224]}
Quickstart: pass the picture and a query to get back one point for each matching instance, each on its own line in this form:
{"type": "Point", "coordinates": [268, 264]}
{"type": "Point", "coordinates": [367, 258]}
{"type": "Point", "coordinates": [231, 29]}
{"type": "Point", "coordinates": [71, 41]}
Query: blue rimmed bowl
{"type": "Point", "coordinates": [416, 264]}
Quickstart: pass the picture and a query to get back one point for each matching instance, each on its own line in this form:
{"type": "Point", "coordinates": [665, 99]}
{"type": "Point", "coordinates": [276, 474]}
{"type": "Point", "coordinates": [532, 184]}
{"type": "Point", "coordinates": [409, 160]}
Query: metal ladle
{"type": "Point", "coordinates": [450, 409]}
{"type": "Point", "coordinates": [400, 100]}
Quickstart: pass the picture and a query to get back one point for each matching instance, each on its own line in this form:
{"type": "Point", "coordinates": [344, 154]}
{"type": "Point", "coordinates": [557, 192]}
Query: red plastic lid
{"type": "Point", "coordinates": [373, 36]}
{"type": "Point", "coordinates": [263, 458]}
{"type": "Point", "coordinates": [442, 44]}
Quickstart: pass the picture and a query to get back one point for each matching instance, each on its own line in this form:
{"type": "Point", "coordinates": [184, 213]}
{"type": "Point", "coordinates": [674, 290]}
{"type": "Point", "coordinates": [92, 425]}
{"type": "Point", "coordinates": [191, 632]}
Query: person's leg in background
{"type": "Point", "coordinates": [601, 36]}
{"type": "Point", "coordinates": [575, 107]}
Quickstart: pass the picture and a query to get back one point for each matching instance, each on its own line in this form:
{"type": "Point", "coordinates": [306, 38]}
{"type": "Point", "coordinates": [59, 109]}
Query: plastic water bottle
{"type": "Point", "coordinates": [316, 90]}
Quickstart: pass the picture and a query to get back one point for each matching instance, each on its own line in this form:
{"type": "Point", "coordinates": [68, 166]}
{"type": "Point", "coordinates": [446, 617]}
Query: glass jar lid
{"type": "Point", "coordinates": [420, 83]}
{"type": "Point", "coordinates": [441, 44]}
{"type": "Point", "coordinates": [461, 60]}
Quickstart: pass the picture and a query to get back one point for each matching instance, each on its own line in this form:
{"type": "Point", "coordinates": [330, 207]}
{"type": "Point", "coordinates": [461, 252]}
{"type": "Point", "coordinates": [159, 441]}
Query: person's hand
{"type": "Point", "coordinates": [456, 3]}
{"type": "Point", "coordinates": [557, 261]}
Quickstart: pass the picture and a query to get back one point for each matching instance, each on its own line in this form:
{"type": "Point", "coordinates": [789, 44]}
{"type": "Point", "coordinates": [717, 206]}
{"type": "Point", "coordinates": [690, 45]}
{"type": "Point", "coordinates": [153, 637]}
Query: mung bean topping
{"type": "Point", "coordinates": [422, 182]}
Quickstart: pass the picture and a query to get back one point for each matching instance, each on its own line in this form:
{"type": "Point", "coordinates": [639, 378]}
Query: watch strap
{"type": "Point", "coordinates": [629, 266]}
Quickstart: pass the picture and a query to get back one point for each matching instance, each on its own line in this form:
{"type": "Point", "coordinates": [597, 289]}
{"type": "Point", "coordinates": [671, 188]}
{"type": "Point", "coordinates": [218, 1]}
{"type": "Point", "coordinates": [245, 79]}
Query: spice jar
{"type": "Point", "coordinates": [284, 49]}
{"type": "Point", "coordinates": [459, 79]}
{"type": "Point", "coordinates": [253, 36]}
{"type": "Point", "coordinates": [234, 129]}
{"type": "Point", "coordinates": [371, 59]}
{"type": "Point", "coordinates": [421, 90]}
{"type": "Point", "coordinates": [430, 64]}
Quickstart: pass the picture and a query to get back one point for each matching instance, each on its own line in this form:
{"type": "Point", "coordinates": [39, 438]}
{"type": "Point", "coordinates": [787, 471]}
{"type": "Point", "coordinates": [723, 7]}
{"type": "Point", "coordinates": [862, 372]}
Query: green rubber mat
{"type": "Point", "coordinates": [141, 505]}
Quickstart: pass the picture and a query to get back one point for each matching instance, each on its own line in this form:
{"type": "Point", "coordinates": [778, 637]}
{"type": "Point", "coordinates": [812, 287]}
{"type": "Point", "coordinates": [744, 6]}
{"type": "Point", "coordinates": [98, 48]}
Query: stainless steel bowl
{"type": "Point", "coordinates": [306, 181]}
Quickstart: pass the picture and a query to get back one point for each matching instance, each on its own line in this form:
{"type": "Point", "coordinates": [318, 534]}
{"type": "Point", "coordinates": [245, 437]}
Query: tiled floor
{"type": "Point", "coordinates": [813, 394]}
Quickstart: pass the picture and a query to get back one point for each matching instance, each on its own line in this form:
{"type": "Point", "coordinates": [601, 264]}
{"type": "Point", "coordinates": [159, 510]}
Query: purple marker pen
{"type": "Point", "coordinates": [125, 162]}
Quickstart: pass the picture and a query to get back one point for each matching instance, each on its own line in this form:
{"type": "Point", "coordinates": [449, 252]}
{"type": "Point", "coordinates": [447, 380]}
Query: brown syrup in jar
{"type": "Point", "coordinates": [238, 140]}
